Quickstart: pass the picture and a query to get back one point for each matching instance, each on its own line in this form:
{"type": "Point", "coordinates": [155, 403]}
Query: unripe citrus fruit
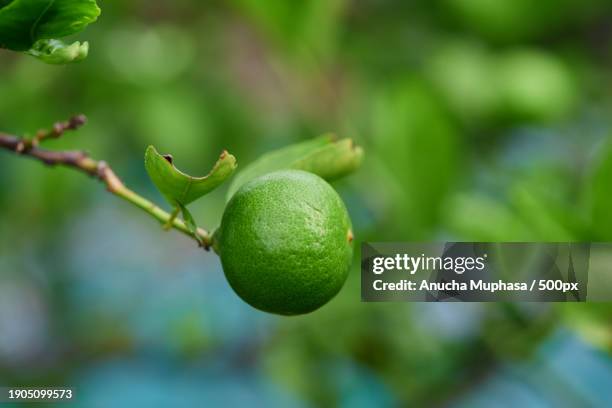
{"type": "Point", "coordinates": [285, 242]}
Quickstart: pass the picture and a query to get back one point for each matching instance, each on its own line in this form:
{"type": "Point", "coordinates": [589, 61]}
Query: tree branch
{"type": "Point", "coordinates": [81, 161]}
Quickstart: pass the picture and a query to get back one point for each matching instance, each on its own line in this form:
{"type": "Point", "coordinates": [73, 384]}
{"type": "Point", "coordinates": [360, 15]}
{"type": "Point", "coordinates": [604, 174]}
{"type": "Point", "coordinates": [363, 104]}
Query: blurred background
{"type": "Point", "coordinates": [481, 119]}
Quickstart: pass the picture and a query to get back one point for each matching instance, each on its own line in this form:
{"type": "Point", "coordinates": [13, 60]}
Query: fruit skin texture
{"type": "Point", "coordinates": [285, 242]}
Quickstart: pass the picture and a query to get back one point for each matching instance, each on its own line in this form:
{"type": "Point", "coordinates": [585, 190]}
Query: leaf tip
{"type": "Point", "coordinates": [229, 158]}
{"type": "Point", "coordinates": [149, 151]}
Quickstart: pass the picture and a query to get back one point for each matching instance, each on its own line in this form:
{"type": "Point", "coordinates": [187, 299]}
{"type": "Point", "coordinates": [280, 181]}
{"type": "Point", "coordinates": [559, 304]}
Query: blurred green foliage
{"type": "Point", "coordinates": [481, 120]}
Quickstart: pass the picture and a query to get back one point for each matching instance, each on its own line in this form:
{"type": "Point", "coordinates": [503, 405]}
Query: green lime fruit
{"type": "Point", "coordinates": [285, 242]}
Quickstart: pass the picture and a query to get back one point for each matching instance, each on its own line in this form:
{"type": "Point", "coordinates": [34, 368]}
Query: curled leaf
{"type": "Point", "coordinates": [58, 52]}
{"type": "Point", "coordinates": [180, 188]}
{"type": "Point", "coordinates": [322, 156]}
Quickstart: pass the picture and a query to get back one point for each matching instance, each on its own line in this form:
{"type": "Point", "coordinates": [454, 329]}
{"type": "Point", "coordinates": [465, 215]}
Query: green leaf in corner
{"type": "Point", "coordinates": [180, 188]}
{"type": "Point", "coordinates": [190, 223]}
{"type": "Point", "coordinates": [23, 23]}
{"type": "Point", "coordinates": [322, 156]}
{"type": "Point", "coordinates": [58, 52]}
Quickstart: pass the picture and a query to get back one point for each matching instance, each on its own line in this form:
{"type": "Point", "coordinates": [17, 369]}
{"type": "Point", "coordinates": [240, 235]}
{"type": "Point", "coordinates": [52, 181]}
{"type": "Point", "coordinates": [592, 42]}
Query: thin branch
{"type": "Point", "coordinates": [81, 161]}
{"type": "Point", "coordinates": [58, 129]}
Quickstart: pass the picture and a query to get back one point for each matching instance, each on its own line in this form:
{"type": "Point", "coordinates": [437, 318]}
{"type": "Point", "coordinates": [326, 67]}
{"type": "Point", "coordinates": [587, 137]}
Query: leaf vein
{"type": "Point", "coordinates": [37, 22]}
{"type": "Point", "coordinates": [187, 188]}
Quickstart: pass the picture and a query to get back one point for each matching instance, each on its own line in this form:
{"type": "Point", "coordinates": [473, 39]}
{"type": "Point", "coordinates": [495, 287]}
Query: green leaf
{"type": "Point", "coordinates": [322, 156]}
{"type": "Point", "coordinates": [24, 22]}
{"type": "Point", "coordinates": [332, 161]}
{"type": "Point", "coordinates": [4, 3]}
{"type": "Point", "coordinates": [190, 223]}
{"type": "Point", "coordinates": [58, 52]}
{"type": "Point", "coordinates": [180, 188]}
